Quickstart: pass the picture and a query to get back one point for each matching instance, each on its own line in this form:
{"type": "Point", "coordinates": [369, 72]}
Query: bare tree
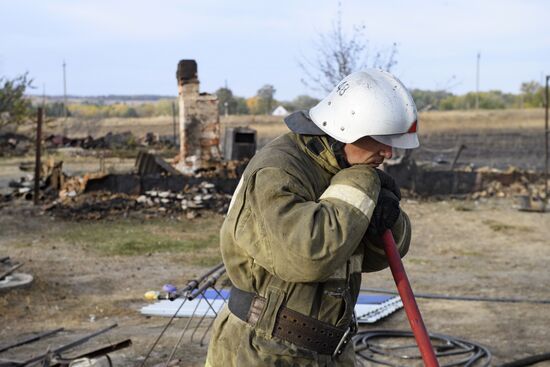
{"type": "Point", "coordinates": [339, 54]}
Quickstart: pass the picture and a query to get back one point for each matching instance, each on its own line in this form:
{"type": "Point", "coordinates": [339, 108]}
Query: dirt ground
{"type": "Point", "coordinates": [84, 282]}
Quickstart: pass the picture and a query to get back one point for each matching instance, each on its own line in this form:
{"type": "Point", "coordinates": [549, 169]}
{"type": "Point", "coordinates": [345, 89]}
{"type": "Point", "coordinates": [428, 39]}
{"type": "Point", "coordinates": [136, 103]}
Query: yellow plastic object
{"type": "Point", "coordinates": [151, 295]}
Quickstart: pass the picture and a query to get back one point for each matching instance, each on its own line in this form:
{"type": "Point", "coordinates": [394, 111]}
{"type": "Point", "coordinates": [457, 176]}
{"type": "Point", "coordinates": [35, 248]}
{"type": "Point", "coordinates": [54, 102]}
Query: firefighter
{"type": "Point", "coordinates": [304, 223]}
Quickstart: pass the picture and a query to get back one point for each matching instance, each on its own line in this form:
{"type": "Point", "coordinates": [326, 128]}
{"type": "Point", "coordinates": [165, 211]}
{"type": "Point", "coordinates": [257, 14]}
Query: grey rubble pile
{"type": "Point", "coordinates": [102, 204]}
{"type": "Point", "coordinates": [196, 197]}
{"type": "Point", "coordinates": [111, 140]}
{"type": "Point", "coordinates": [13, 144]}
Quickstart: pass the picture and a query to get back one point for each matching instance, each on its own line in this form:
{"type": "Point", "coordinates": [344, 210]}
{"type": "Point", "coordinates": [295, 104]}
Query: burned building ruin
{"type": "Point", "coordinates": [199, 127]}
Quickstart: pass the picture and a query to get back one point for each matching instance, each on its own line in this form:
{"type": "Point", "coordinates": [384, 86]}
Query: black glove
{"type": "Point", "coordinates": [387, 182]}
{"type": "Point", "coordinates": [386, 212]}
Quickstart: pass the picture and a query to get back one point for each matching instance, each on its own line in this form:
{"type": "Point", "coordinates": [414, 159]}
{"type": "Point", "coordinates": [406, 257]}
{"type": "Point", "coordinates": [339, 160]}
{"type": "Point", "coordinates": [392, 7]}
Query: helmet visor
{"type": "Point", "coordinates": [402, 141]}
{"type": "Point", "coordinates": [300, 123]}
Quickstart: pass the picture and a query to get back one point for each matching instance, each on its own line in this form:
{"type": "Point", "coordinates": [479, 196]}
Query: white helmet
{"type": "Point", "coordinates": [369, 103]}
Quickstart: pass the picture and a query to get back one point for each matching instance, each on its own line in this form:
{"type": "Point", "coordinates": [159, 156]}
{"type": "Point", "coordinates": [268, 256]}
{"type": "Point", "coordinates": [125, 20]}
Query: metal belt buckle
{"type": "Point", "coordinates": [342, 343]}
{"type": "Point", "coordinates": [354, 326]}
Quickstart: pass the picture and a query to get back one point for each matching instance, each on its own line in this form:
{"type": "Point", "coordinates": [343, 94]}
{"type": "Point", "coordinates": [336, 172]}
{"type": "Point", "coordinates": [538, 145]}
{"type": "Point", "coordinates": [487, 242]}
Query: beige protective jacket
{"type": "Point", "coordinates": [295, 234]}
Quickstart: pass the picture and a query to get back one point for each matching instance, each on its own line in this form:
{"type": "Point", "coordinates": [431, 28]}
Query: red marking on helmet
{"type": "Point", "coordinates": [412, 129]}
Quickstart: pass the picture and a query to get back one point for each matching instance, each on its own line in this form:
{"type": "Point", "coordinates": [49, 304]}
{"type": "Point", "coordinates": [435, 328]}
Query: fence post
{"type": "Point", "coordinates": [37, 161]}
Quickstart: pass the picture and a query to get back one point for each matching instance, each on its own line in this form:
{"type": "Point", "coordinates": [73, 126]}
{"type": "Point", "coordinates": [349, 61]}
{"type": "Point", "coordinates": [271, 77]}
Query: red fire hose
{"type": "Point", "coordinates": [409, 302]}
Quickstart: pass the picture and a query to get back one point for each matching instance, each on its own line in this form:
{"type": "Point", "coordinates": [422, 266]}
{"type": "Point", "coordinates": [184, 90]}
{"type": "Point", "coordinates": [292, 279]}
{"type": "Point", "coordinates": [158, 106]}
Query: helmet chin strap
{"type": "Point", "coordinates": [338, 150]}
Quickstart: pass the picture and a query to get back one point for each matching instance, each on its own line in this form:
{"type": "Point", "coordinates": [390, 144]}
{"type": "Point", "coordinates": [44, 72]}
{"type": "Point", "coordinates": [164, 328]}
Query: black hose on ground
{"type": "Point", "coordinates": [528, 361]}
{"type": "Point", "coordinates": [464, 346]}
{"type": "Point", "coordinates": [396, 348]}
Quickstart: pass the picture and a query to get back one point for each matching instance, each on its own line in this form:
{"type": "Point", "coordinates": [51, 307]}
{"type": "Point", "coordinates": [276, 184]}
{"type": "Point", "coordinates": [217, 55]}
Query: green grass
{"type": "Point", "coordinates": [23, 244]}
{"type": "Point", "coordinates": [503, 227]}
{"type": "Point", "coordinates": [463, 207]}
{"type": "Point", "coordinates": [132, 237]}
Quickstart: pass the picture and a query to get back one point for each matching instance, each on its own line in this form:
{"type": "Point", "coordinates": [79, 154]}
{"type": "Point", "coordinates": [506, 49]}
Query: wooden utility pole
{"type": "Point", "coordinates": [546, 144]}
{"type": "Point", "coordinates": [37, 161]}
{"type": "Point", "coordinates": [174, 123]}
{"type": "Point", "coordinates": [477, 80]}
{"type": "Point", "coordinates": [65, 90]}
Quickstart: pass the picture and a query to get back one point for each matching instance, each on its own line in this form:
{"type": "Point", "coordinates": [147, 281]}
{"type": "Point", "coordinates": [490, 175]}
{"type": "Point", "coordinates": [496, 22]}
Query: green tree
{"type": "Point", "coordinates": [426, 100]}
{"type": "Point", "coordinates": [131, 112]}
{"type": "Point", "coordinates": [490, 100]}
{"type": "Point", "coordinates": [449, 103]}
{"type": "Point", "coordinates": [532, 94]}
{"type": "Point", "coordinates": [241, 107]}
{"type": "Point", "coordinates": [304, 102]}
{"type": "Point", "coordinates": [163, 107]}
{"type": "Point", "coordinates": [266, 99]}
{"type": "Point", "coordinates": [14, 107]}
{"type": "Point", "coordinates": [226, 100]}
{"type": "Point", "coordinates": [56, 109]}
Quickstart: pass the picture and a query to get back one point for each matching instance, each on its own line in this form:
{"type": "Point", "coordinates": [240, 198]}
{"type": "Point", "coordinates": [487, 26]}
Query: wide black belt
{"type": "Point", "coordinates": [292, 326]}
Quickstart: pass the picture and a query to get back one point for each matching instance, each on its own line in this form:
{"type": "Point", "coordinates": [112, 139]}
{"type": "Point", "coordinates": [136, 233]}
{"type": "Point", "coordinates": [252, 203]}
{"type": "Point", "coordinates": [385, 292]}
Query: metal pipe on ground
{"type": "Point", "coordinates": [29, 339]}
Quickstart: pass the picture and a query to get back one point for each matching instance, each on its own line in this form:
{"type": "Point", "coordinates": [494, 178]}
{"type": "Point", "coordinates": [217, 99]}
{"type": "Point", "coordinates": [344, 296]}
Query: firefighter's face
{"type": "Point", "coordinates": [367, 151]}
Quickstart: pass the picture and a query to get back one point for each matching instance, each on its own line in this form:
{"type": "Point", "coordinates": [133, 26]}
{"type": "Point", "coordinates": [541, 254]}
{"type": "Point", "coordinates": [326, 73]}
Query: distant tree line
{"type": "Point", "coordinates": [264, 102]}
{"type": "Point", "coordinates": [16, 106]}
{"type": "Point", "coordinates": [161, 107]}
{"type": "Point", "coordinates": [531, 96]}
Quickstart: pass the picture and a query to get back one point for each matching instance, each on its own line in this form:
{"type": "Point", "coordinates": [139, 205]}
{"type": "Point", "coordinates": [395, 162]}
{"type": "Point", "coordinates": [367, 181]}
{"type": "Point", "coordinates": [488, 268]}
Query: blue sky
{"type": "Point", "coordinates": [132, 47]}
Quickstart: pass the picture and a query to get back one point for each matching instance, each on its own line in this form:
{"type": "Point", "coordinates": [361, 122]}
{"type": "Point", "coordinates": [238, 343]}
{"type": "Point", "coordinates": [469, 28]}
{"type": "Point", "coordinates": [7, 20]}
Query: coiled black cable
{"type": "Point", "coordinates": [363, 347]}
{"type": "Point", "coordinates": [396, 348]}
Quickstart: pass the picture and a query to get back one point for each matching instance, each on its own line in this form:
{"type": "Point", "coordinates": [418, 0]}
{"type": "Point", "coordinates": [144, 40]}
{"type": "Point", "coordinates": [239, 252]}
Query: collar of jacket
{"type": "Point", "coordinates": [321, 149]}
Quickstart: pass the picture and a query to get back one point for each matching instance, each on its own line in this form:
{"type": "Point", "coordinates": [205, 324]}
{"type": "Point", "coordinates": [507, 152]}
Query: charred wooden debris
{"type": "Point", "coordinates": [452, 179]}
{"type": "Point", "coordinates": [199, 178]}
{"type": "Point", "coordinates": [157, 188]}
{"type": "Point", "coordinates": [24, 352]}
{"type": "Point", "coordinates": [154, 188]}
